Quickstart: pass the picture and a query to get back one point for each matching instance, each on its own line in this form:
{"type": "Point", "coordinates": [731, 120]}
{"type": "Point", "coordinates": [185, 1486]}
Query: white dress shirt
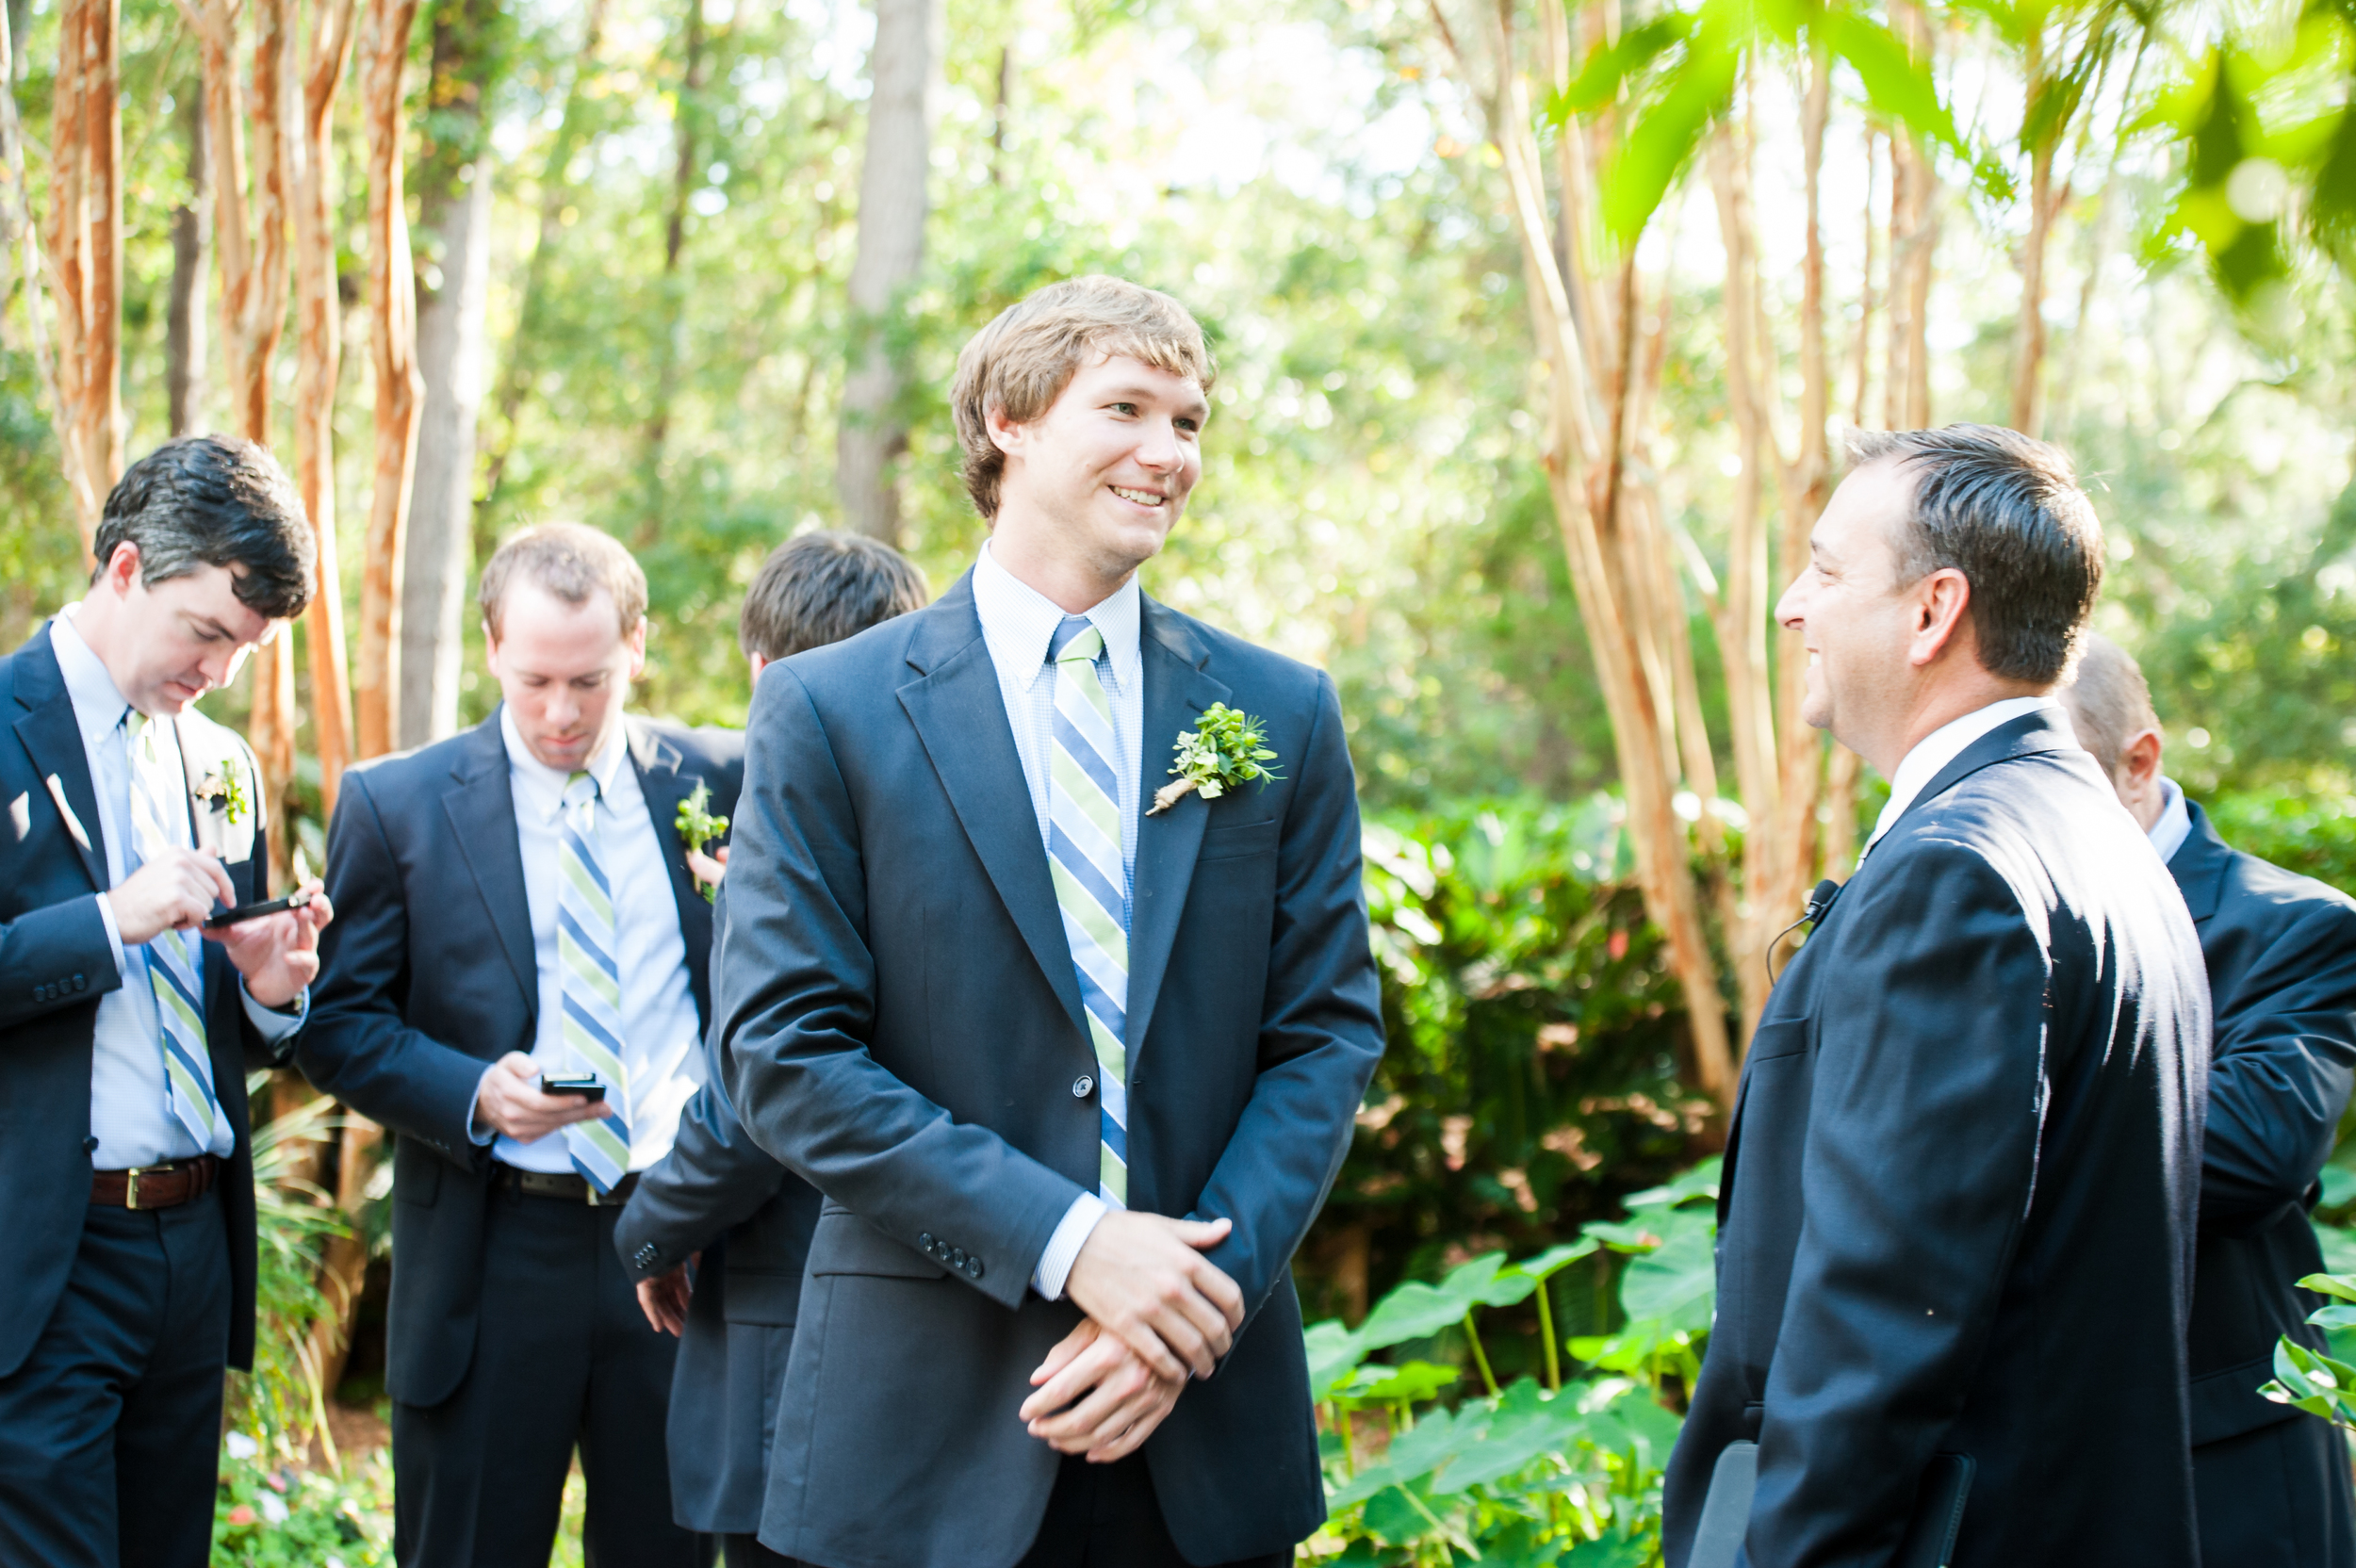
{"type": "Point", "coordinates": [127, 1113]}
{"type": "Point", "coordinates": [2175, 825]}
{"type": "Point", "coordinates": [1018, 626]}
{"type": "Point", "coordinates": [659, 1029]}
{"type": "Point", "coordinates": [1941, 747]}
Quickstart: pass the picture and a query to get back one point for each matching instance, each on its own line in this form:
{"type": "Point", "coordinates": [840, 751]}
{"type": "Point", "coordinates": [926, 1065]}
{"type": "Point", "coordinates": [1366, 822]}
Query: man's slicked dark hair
{"type": "Point", "coordinates": [214, 501]}
{"type": "Point", "coordinates": [820, 588]}
{"type": "Point", "coordinates": [2006, 511]}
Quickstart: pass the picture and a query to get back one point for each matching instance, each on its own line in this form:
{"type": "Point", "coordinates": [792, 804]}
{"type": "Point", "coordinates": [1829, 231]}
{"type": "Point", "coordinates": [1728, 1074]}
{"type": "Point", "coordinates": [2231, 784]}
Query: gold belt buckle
{"type": "Point", "coordinates": [131, 1181]}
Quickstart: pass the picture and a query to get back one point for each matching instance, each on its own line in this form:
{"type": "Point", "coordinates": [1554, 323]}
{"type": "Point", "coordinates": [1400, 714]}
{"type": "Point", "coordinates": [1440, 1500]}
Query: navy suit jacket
{"type": "Point", "coordinates": [1958, 1201]}
{"type": "Point", "coordinates": [902, 1027]}
{"type": "Point", "coordinates": [55, 964]}
{"type": "Point", "coordinates": [428, 976]}
{"type": "Point", "coordinates": [719, 1193]}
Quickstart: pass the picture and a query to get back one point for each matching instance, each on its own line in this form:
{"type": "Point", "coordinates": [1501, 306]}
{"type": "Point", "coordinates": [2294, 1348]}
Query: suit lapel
{"type": "Point", "coordinates": [53, 738]}
{"type": "Point", "coordinates": [961, 719]}
{"type": "Point", "coordinates": [665, 783]}
{"type": "Point", "coordinates": [2199, 865]}
{"type": "Point", "coordinates": [2042, 730]}
{"type": "Point", "coordinates": [1176, 690]}
{"type": "Point", "coordinates": [481, 804]}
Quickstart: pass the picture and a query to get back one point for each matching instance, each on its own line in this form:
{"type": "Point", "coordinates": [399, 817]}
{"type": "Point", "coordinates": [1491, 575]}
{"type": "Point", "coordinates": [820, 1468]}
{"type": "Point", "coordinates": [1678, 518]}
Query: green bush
{"type": "Point", "coordinates": [2309, 830]}
{"type": "Point", "coordinates": [279, 1516]}
{"type": "Point", "coordinates": [281, 1401]}
{"type": "Point", "coordinates": [1551, 1469]}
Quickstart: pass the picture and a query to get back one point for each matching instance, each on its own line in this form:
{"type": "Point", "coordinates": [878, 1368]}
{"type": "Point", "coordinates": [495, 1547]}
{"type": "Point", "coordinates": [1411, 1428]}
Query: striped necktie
{"type": "Point", "coordinates": [591, 980]}
{"type": "Point", "coordinates": [175, 961]}
{"type": "Point", "coordinates": [1084, 856]}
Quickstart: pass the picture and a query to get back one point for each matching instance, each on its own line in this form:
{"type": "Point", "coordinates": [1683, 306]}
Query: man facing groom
{"type": "Point", "coordinates": [1955, 1222]}
{"type": "Point", "coordinates": [518, 904]}
{"type": "Point", "coordinates": [1073, 1077]}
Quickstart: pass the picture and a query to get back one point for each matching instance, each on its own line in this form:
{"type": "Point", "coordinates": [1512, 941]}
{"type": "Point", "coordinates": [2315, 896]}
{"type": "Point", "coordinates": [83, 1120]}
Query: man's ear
{"type": "Point", "coordinates": [2139, 758]}
{"type": "Point", "coordinates": [637, 641]}
{"type": "Point", "coordinates": [122, 568]}
{"type": "Point", "coordinates": [1941, 602]}
{"type": "Point", "coordinates": [1005, 433]}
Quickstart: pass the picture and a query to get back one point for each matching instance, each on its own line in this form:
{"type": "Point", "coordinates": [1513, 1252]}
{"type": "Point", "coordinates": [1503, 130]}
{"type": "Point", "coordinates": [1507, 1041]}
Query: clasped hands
{"type": "Point", "coordinates": [278, 955]}
{"type": "Point", "coordinates": [1158, 1314]}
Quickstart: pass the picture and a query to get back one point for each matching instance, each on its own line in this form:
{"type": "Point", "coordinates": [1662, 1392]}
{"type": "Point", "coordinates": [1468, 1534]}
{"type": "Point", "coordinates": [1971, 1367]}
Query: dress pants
{"type": "Point", "coordinates": [563, 1358]}
{"type": "Point", "coordinates": [111, 1432]}
{"type": "Point", "coordinates": [2276, 1497]}
{"type": "Point", "coordinates": [1097, 1516]}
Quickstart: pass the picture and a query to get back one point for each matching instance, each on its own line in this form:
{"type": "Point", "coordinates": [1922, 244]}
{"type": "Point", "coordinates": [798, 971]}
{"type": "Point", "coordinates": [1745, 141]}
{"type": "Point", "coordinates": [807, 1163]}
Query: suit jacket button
{"type": "Point", "coordinates": [925, 1242]}
{"type": "Point", "coordinates": [957, 1257]}
{"type": "Point", "coordinates": [1082, 1087]}
{"type": "Point", "coordinates": [80, 984]}
{"type": "Point", "coordinates": [972, 1268]}
{"type": "Point", "coordinates": [646, 1255]}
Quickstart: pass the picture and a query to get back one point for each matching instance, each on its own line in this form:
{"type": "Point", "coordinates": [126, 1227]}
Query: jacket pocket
{"type": "Point", "coordinates": [1778, 1036]}
{"type": "Point", "coordinates": [1235, 842]}
{"type": "Point", "coordinates": [845, 1244]}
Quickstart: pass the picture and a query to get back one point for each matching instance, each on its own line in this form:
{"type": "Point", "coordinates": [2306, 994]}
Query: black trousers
{"type": "Point", "coordinates": [563, 1360]}
{"type": "Point", "coordinates": [111, 1432]}
{"type": "Point", "coordinates": [1097, 1516]}
{"type": "Point", "coordinates": [2276, 1497]}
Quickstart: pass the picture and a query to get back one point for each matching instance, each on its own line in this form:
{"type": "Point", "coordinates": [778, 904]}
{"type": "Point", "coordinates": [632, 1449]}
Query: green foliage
{"type": "Point", "coordinates": [1224, 751]}
{"type": "Point", "coordinates": [2308, 830]}
{"type": "Point", "coordinates": [698, 828]}
{"type": "Point", "coordinates": [273, 1515]}
{"type": "Point", "coordinates": [1559, 1471]}
{"type": "Point", "coordinates": [281, 1399]}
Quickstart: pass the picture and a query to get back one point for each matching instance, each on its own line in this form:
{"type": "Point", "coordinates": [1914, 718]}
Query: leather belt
{"type": "Point", "coordinates": [568, 1186]}
{"type": "Point", "coordinates": [155, 1186]}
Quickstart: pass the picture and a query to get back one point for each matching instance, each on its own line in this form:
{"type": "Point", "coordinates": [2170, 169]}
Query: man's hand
{"type": "Point", "coordinates": [663, 1298]}
{"type": "Point", "coordinates": [279, 953]}
{"type": "Point", "coordinates": [509, 1101]}
{"type": "Point", "coordinates": [1096, 1398]}
{"type": "Point", "coordinates": [1143, 1277]}
{"type": "Point", "coordinates": [708, 870]}
{"type": "Point", "coordinates": [171, 892]}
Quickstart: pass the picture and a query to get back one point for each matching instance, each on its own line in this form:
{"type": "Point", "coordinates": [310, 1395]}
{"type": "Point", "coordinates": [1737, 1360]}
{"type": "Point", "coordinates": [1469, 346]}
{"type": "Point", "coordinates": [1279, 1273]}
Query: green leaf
{"type": "Point", "coordinates": [2341, 1286]}
{"type": "Point", "coordinates": [1600, 80]}
{"type": "Point", "coordinates": [1333, 1352]}
{"type": "Point", "coordinates": [1700, 1182]}
{"type": "Point", "coordinates": [1555, 1259]}
{"type": "Point", "coordinates": [1384, 1385]}
{"type": "Point", "coordinates": [1418, 1311]}
{"type": "Point", "coordinates": [1675, 1284]}
{"type": "Point", "coordinates": [1663, 138]}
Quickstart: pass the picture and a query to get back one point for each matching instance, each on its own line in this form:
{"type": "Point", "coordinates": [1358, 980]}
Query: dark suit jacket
{"type": "Point", "coordinates": [428, 976]}
{"type": "Point", "coordinates": [720, 1193]}
{"type": "Point", "coordinates": [55, 964]}
{"type": "Point", "coordinates": [1957, 1208]}
{"type": "Point", "coordinates": [902, 1027]}
{"type": "Point", "coordinates": [2281, 956]}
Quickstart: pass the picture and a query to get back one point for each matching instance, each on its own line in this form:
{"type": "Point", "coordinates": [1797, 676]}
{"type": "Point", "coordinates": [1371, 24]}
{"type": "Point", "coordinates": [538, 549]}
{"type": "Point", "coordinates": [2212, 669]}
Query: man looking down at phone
{"type": "Point", "coordinates": [125, 1026]}
{"type": "Point", "coordinates": [519, 912]}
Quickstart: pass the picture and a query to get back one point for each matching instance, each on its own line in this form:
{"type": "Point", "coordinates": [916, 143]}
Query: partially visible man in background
{"type": "Point", "coordinates": [127, 1170]}
{"type": "Point", "coordinates": [520, 907]}
{"type": "Point", "coordinates": [2271, 1484]}
{"type": "Point", "coordinates": [717, 1193]}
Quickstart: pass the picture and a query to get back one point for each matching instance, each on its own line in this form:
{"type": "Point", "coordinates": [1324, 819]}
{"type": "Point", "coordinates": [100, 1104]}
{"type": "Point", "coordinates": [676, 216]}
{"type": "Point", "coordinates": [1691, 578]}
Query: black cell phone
{"type": "Point", "coordinates": [255, 911]}
{"type": "Point", "coordinates": [587, 1084]}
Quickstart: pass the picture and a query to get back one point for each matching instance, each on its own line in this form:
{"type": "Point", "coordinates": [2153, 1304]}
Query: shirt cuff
{"type": "Point", "coordinates": [114, 937]}
{"type": "Point", "coordinates": [476, 1133]}
{"type": "Point", "coordinates": [1063, 1247]}
{"type": "Point", "coordinates": [273, 1024]}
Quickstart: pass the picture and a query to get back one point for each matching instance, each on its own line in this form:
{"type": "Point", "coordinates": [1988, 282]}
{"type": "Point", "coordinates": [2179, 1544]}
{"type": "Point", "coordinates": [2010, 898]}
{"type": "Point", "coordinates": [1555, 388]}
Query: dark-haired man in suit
{"type": "Point", "coordinates": [1956, 1223]}
{"type": "Point", "coordinates": [127, 1168]}
{"type": "Point", "coordinates": [2271, 1484]}
{"type": "Point", "coordinates": [520, 908]}
{"type": "Point", "coordinates": [718, 1230]}
{"type": "Point", "coordinates": [1073, 1074]}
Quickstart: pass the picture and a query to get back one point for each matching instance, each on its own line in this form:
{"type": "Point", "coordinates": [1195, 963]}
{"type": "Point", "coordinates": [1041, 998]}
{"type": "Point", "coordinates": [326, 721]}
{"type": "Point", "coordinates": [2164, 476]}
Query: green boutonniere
{"type": "Point", "coordinates": [224, 790]}
{"type": "Point", "coordinates": [698, 828]}
{"type": "Point", "coordinates": [1225, 749]}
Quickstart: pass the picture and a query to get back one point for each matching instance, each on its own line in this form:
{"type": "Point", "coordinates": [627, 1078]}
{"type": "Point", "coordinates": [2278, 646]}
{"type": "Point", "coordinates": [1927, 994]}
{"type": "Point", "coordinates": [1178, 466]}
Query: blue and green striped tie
{"type": "Point", "coordinates": [1084, 856]}
{"type": "Point", "coordinates": [591, 980]}
{"type": "Point", "coordinates": [176, 960]}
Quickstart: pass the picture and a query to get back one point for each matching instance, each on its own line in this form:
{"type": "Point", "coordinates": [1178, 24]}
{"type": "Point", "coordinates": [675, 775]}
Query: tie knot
{"type": "Point", "coordinates": [580, 789]}
{"type": "Point", "coordinates": [1077, 640]}
{"type": "Point", "coordinates": [138, 730]}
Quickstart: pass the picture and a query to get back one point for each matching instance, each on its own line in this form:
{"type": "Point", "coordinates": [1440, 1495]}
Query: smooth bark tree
{"type": "Point", "coordinates": [184, 332]}
{"type": "Point", "coordinates": [905, 68]}
{"type": "Point", "coordinates": [85, 246]}
{"type": "Point", "coordinates": [393, 341]}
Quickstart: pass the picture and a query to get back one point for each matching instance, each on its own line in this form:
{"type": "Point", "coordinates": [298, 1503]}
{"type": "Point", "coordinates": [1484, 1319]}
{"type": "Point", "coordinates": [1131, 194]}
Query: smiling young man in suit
{"type": "Point", "coordinates": [519, 905]}
{"type": "Point", "coordinates": [717, 1232]}
{"type": "Point", "coordinates": [127, 1168]}
{"type": "Point", "coordinates": [1072, 1074]}
{"type": "Point", "coordinates": [1955, 1222]}
{"type": "Point", "coordinates": [2271, 1484]}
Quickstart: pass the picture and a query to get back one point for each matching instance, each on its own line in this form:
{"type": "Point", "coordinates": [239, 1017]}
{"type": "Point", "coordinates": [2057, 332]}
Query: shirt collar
{"type": "Point", "coordinates": [2175, 825]}
{"type": "Point", "coordinates": [544, 785]}
{"type": "Point", "coordinates": [99, 703]}
{"type": "Point", "coordinates": [1942, 745]}
{"type": "Point", "coordinates": [1018, 622]}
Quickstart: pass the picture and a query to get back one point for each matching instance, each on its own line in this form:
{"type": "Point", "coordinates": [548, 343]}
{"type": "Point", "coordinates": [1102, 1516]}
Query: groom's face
{"type": "Point", "coordinates": [1102, 476]}
{"type": "Point", "coordinates": [564, 671]}
{"type": "Point", "coordinates": [1857, 619]}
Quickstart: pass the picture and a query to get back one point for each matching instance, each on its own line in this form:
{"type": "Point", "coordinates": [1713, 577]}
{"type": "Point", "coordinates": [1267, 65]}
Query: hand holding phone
{"type": "Point", "coordinates": [587, 1084]}
{"type": "Point", "coordinates": [244, 912]}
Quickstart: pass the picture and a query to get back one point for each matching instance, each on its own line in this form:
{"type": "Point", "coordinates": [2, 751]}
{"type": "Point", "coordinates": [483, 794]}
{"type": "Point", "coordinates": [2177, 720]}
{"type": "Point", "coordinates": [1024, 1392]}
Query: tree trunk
{"type": "Point", "coordinates": [687, 167]}
{"type": "Point", "coordinates": [440, 553]}
{"type": "Point", "coordinates": [455, 208]}
{"type": "Point", "coordinates": [393, 339]}
{"type": "Point", "coordinates": [555, 185]}
{"type": "Point", "coordinates": [192, 249]}
{"type": "Point", "coordinates": [2028, 356]}
{"type": "Point", "coordinates": [318, 355]}
{"type": "Point", "coordinates": [86, 251]}
{"type": "Point", "coordinates": [902, 65]}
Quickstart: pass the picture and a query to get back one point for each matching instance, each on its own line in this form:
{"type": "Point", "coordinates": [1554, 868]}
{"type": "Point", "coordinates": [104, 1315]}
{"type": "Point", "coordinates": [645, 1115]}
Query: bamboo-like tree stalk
{"type": "Point", "coordinates": [399, 389]}
{"type": "Point", "coordinates": [86, 251]}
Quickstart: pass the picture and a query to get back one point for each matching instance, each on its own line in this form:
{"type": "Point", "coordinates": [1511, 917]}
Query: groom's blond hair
{"type": "Point", "coordinates": [1023, 360]}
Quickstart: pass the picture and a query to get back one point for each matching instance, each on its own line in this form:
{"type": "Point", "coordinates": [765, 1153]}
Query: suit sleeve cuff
{"type": "Point", "coordinates": [114, 936]}
{"type": "Point", "coordinates": [273, 1024]}
{"type": "Point", "coordinates": [477, 1133]}
{"type": "Point", "coordinates": [1063, 1247]}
